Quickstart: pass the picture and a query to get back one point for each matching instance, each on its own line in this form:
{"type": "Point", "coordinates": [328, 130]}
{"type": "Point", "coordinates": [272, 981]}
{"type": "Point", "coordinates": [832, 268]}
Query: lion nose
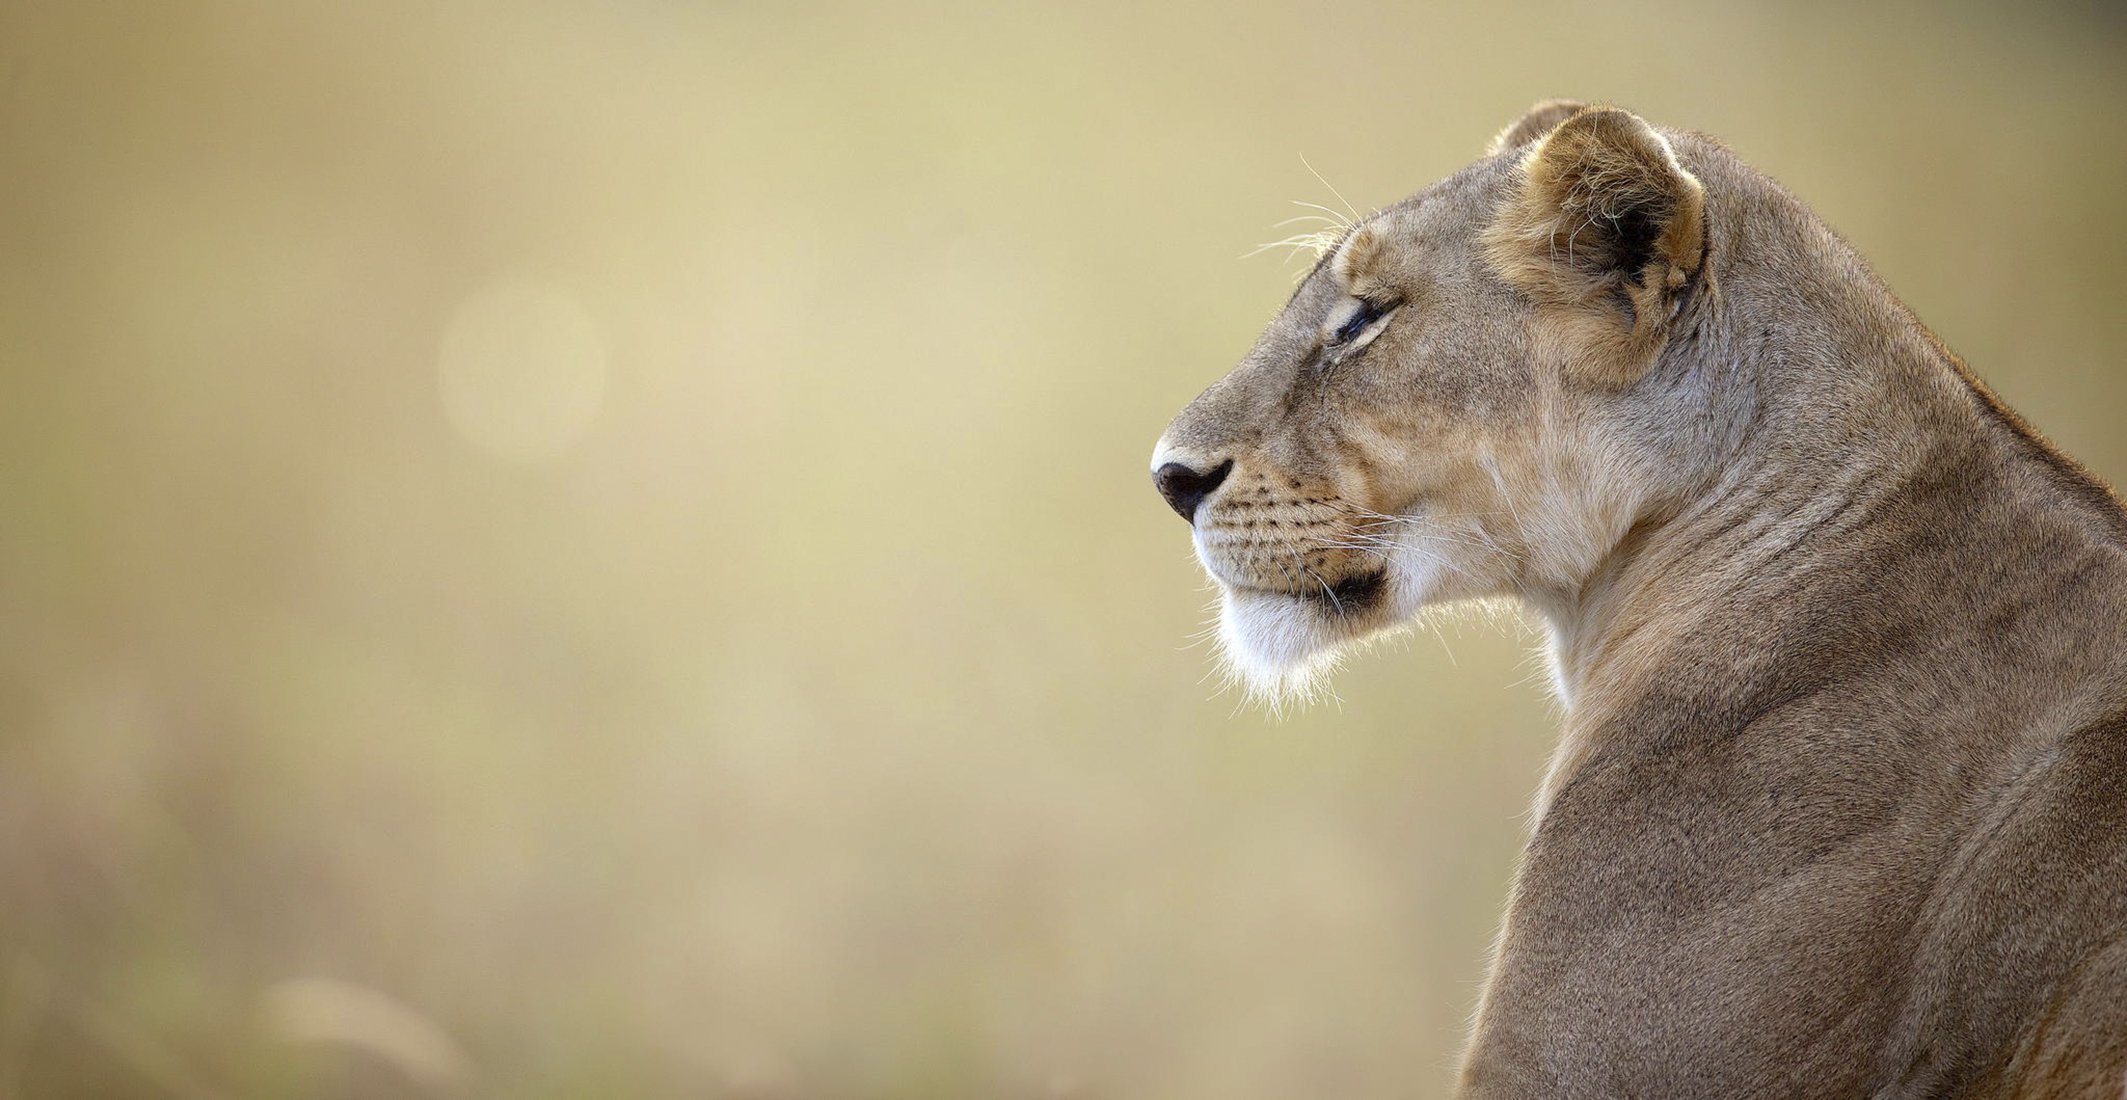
{"type": "Point", "coordinates": [1185, 488]}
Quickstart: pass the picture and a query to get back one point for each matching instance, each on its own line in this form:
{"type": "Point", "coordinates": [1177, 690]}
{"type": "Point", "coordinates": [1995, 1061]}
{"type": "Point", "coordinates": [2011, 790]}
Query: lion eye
{"type": "Point", "coordinates": [1361, 319]}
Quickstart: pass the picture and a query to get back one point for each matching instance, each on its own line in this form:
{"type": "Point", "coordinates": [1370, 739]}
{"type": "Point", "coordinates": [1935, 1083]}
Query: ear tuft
{"type": "Point", "coordinates": [1541, 119]}
{"type": "Point", "coordinates": [1612, 193]}
{"type": "Point", "coordinates": [1605, 230]}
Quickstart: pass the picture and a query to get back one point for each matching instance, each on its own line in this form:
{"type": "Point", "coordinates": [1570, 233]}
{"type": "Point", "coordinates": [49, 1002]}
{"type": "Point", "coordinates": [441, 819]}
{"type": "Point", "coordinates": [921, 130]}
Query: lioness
{"type": "Point", "coordinates": [1840, 805]}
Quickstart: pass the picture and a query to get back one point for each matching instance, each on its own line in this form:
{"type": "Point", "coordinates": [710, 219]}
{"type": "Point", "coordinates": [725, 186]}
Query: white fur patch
{"type": "Point", "coordinates": [1281, 649]}
{"type": "Point", "coordinates": [1271, 646]}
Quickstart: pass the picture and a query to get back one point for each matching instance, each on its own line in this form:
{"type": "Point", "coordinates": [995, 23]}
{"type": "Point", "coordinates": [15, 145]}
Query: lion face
{"type": "Point", "coordinates": [1442, 411]}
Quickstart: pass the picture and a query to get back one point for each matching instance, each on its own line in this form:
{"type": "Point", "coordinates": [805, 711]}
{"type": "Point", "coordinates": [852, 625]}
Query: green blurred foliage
{"type": "Point", "coordinates": [787, 690]}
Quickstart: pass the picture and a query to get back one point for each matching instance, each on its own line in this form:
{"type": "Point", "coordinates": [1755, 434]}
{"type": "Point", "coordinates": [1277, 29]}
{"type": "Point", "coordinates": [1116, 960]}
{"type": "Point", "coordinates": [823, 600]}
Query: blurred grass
{"type": "Point", "coordinates": [803, 709]}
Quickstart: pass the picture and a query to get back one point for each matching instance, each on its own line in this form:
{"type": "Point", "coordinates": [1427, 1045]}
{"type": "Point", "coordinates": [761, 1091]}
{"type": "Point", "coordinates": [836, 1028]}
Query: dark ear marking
{"type": "Point", "coordinates": [1625, 306]}
{"type": "Point", "coordinates": [1693, 281]}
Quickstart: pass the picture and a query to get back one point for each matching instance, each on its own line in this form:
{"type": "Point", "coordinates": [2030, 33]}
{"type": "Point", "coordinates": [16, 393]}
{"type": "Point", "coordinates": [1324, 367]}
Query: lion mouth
{"type": "Point", "coordinates": [1358, 592]}
{"type": "Point", "coordinates": [1350, 595]}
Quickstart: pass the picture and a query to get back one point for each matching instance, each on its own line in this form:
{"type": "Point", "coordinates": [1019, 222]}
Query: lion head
{"type": "Point", "coordinates": [1453, 404]}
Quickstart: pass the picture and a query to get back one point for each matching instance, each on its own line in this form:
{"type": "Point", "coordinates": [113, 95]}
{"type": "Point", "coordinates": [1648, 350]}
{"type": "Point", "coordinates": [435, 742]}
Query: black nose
{"type": "Point", "coordinates": [1185, 488]}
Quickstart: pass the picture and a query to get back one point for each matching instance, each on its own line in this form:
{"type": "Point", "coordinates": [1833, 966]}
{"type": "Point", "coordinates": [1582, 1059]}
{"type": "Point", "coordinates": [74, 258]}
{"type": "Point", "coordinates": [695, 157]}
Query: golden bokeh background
{"type": "Point", "coordinates": [603, 549]}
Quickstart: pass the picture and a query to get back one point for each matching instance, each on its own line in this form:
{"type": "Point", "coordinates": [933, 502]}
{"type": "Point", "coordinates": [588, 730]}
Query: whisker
{"type": "Point", "coordinates": [1326, 589]}
{"type": "Point", "coordinates": [1332, 187]}
{"type": "Point", "coordinates": [1317, 241]}
{"type": "Point", "coordinates": [1337, 219]}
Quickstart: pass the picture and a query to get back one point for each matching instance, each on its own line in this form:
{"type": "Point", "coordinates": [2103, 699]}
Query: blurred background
{"type": "Point", "coordinates": [603, 549]}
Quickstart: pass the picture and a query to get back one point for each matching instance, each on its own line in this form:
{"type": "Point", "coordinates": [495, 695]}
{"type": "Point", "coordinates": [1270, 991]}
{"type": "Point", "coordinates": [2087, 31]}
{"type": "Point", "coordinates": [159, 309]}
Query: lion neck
{"type": "Point", "coordinates": [1779, 451]}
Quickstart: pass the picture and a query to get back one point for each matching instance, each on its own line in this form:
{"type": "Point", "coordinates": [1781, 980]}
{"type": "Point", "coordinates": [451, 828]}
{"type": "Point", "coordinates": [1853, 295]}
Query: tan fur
{"type": "Point", "coordinates": [1840, 805]}
{"type": "Point", "coordinates": [1555, 241]}
{"type": "Point", "coordinates": [1539, 120]}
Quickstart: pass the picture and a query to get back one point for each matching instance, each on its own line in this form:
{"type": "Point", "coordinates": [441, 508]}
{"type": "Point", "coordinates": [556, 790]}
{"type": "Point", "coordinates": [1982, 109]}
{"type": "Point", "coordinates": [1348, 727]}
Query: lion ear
{"type": "Point", "coordinates": [1605, 223]}
{"type": "Point", "coordinates": [1540, 120]}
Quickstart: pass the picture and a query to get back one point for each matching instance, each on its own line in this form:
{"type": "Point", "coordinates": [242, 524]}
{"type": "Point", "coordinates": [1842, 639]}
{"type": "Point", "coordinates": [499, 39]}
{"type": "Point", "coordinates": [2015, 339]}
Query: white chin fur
{"type": "Point", "coordinates": [1274, 646]}
{"type": "Point", "coordinates": [1281, 649]}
